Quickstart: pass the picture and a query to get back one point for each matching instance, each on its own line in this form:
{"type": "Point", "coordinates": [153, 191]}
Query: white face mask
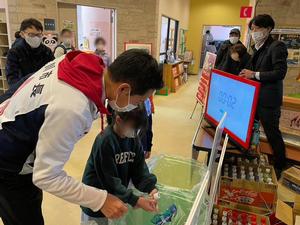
{"type": "Point", "coordinates": [114, 105]}
{"type": "Point", "coordinates": [233, 40]}
{"type": "Point", "coordinates": [130, 133]}
{"type": "Point", "coordinates": [100, 47]}
{"type": "Point", "coordinates": [34, 42]}
{"type": "Point", "coordinates": [258, 37]}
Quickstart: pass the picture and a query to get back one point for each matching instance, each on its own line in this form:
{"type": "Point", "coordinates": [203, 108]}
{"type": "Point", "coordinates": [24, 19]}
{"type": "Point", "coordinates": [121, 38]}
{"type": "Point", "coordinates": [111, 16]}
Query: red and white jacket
{"type": "Point", "coordinates": [43, 118]}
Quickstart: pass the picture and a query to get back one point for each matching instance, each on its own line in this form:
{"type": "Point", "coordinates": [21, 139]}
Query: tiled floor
{"type": "Point", "coordinates": [173, 133]}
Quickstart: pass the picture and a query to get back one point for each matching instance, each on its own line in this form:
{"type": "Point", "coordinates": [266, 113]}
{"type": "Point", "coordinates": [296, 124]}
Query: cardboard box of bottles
{"type": "Point", "coordinates": [227, 215]}
{"type": "Point", "coordinates": [251, 160]}
{"type": "Point", "coordinates": [248, 192]}
{"type": "Point", "coordinates": [264, 175]}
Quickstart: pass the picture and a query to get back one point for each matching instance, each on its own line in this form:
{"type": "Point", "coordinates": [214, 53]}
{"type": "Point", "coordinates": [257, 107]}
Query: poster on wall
{"type": "Point", "coordinates": [208, 65]}
{"type": "Point", "coordinates": [291, 38]}
{"type": "Point", "coordinates": [290, 120]}
{"type": "Point", "coordinates": [145, 46]}
{"type": "Point", "coordinates": [292, 41]}
{"type": "Point", "coordinates": [68, 24]}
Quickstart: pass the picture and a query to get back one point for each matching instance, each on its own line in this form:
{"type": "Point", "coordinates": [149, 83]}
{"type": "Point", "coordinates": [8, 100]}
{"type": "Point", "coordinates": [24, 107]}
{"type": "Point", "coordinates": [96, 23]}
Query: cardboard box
{"type": "Point", "coordinates": [246, 208]}
{"type": "Point", "coordinates": [230, 209]}
{"type": "Point", "coordinates": [249, 193]}
{"type": "Point", "coordinates": [291, 179]}
{"type": "Point", "coordinates": [288, 212]}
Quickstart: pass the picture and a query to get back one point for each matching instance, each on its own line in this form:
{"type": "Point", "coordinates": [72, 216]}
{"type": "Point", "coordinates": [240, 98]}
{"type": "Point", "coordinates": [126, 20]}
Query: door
{"type": "Point", "coordinates": [96, 22]}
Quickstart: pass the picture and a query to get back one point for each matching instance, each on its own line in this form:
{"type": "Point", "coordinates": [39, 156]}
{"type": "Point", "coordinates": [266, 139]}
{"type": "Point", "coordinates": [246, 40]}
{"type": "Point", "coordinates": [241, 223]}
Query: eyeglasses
{"type": "Point", "coordinates": [34, 34]}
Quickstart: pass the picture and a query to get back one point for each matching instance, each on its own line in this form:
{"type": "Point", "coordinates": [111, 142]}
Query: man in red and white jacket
{"type": "Point", "coordinates": [42, 118]}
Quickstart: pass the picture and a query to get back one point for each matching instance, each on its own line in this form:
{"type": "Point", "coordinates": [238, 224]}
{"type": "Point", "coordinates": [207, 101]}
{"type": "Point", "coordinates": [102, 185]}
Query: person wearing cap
{"type": "Point", "coordinates": [223, 55]}
{"type": "Point", "coordinates": [268, 65]}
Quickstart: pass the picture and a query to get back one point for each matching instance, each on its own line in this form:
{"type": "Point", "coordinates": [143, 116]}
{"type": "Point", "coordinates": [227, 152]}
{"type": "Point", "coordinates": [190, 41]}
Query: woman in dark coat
{"type": "Point", "coordinates": [236, 60]}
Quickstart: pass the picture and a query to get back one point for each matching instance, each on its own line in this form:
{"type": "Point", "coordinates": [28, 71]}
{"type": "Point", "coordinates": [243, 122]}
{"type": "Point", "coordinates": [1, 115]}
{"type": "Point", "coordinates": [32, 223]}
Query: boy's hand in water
{"type": "Point", "coordinates": [113, 207]}
{"type": "Point", "coordinates": [148, 205]}
{"type": "Point", "coordinates": [155, 195]}
{"type": "Point", "coordinates": [153, 192]}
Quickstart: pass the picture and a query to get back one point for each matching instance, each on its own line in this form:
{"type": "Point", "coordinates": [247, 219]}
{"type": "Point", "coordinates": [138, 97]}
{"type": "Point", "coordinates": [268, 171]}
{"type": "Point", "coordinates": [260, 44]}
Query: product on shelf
{"type": "Point", "coordinates": [247, 172]}
{"type": "Point", "coordinates": [228, 216]}
{"type": "Point", "coordinates": [238, 159]}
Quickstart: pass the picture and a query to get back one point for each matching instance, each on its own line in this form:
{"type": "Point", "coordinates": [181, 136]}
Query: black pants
{"type": "Point", "coordinates": [269, 118]}
{"type": "Point", "coordinates": [20, 201]}
{"type": "Point", "coordinates": [146, 139]}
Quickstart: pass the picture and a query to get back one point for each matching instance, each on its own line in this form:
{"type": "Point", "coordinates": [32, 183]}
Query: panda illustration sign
{"type": "Point", "coordinates": [50, 40]}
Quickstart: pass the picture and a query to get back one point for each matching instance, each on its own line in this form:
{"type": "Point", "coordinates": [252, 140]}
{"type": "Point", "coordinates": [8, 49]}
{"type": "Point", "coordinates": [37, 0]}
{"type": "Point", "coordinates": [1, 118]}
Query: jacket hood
{"type": "Point", "coordinates": [84, 72]}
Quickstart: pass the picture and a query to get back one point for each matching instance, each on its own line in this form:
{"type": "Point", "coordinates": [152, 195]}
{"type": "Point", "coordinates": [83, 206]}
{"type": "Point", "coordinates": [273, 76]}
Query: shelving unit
{"type": "Point", "coordinates": [173, 75]}
{"type": "Point", "coordinates": [4, 46]}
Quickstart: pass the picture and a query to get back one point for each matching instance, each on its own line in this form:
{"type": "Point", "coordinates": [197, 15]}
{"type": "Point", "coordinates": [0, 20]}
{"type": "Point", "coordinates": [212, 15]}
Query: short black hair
{"type": "Point", "coordinates": [100, 39]}
{"type": "Point", "coordinates": [31, 22]}
{"type": "Point", "coordinates": [263, 20]}
{"type": "Point", "coordinates": [138, 116]}
{"type": "Point", "coordinates": [208, 31]}
{"type": "Point", "coordinates": [17, 34]}
{"type": "Point", "coordinates": [63, 31]}
{"type": "Point", "coordinates": [137, 68]}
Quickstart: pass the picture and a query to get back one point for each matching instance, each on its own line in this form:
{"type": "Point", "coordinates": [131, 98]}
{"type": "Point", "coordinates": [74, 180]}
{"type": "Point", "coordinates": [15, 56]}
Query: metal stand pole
{"type": "Point", "coordinates": [194, 109]}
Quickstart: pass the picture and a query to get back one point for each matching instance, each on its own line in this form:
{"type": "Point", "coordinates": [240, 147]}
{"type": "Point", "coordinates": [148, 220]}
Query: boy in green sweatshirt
{"type": "Point", "coordinates": [116, 159]}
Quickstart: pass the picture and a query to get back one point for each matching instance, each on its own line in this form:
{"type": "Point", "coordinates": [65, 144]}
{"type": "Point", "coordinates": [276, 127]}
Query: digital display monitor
{"type": "Point", "coordinates": [236, 96]}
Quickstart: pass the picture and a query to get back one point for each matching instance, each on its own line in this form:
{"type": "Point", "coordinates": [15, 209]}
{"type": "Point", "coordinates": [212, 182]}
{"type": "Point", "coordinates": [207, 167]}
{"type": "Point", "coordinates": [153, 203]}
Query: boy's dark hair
{"type": "Point", "coordinates": [31, 22]}
{"type": "Point", "coordinates": [100, 39]}
{"type": "Point", "coordinates": [137, 115]}
{"type": "Point", "coordinates": [17, 34]}
{"type": "Point", "coordinates": [238, 48]}
{"type": "Point", "coordinates": [63, 31]}
{"type": "Point", "coordinates": [137, 68]}
{"type": "Point", "coordinates": [263, 20]}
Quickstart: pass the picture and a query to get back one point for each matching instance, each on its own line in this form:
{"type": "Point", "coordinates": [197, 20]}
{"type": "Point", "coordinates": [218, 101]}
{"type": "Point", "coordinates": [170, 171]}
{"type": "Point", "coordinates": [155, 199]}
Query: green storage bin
{"type": "Point", "coordinates": [178, 183]}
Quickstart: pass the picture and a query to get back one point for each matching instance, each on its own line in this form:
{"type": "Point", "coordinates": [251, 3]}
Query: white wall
{"type": "Point", "coordinates": [2, 4]}
{"type": "Point", "coordinates": [175, 9]}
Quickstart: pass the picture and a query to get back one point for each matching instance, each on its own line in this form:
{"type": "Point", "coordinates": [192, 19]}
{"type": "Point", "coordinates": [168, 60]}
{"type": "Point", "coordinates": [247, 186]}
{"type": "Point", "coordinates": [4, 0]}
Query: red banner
{"type": "Point", "coordinates": [208, 65]}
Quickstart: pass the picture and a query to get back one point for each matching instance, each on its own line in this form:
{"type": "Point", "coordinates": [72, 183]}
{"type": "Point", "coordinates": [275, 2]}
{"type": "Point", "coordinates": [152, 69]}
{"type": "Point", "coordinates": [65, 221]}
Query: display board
{"type": "Point", "coordinates": [208, 65]}
{"type": "Point", "coordinates": [237, 97]}
{"type": "Point", "coordinates": [291, 38]}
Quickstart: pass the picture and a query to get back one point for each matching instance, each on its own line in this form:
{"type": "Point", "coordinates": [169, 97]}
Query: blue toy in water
{"type": "Point", "coordinates": [166, 217]}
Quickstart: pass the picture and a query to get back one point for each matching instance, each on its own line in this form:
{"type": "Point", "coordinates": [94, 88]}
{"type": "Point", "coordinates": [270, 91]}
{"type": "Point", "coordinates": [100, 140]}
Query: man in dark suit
{"type": "Point", "coordinates": [268, 65]}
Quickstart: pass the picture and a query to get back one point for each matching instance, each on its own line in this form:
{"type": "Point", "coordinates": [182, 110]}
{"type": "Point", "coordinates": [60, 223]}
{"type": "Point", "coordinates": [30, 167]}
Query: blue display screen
{"type": "Point", "coordinates": [234, 97]}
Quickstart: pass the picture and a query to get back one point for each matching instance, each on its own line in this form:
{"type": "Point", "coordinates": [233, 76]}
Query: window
{"type": "Point", "coordinates": [169, 36]}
